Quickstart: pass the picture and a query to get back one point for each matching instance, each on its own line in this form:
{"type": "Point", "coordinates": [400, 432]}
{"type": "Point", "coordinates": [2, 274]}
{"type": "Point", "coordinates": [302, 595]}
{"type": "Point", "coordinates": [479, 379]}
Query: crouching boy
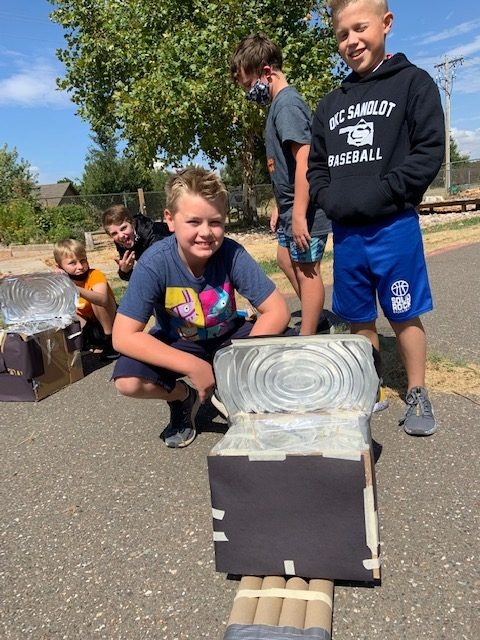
{"type": "Point", "coordinates": [188, 281]}
{"type": "Point", "coordinates": [96, 306]}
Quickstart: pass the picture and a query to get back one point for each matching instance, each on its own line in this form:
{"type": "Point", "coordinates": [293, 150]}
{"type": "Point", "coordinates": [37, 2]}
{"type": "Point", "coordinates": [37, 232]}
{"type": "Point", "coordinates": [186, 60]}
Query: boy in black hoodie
{"type": "Point", "coordinates": [377, 143]}
{"type": "Point", "coordinates": [132, 235]}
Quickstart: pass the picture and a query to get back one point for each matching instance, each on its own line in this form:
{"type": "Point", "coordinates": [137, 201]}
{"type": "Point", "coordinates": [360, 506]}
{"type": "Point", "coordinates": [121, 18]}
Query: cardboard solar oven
{"type": "Point", "coordinates": [41, 341]}
{"type": "Point", "coordinates": [292, 481]}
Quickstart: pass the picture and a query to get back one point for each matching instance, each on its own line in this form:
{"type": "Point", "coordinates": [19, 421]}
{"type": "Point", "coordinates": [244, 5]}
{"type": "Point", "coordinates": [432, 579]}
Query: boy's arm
{"type": "Point", "coordinates": [129, 338]}
{"type": "Point", "coordinates": [98, 294]}
{"type": "Point", "coordinates": [301, 196]}
{"type": "Point", "coordinates": [274, 316]}
{"type": "Point", "coordinates": [318, 174]}
{"type": "Point", "coordinates": [409, 181]}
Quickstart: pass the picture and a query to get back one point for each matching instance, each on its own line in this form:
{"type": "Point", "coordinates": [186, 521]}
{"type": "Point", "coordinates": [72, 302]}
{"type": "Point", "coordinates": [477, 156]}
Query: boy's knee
{"type": "Point", "coordinates": [127, 386]}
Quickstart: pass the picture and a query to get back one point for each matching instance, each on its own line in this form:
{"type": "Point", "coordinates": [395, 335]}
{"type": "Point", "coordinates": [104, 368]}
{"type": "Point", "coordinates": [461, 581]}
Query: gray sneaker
{"type": "Point", "coordinates": [418, 419]}
{"type": "Point", "coordinates": [181, 431]}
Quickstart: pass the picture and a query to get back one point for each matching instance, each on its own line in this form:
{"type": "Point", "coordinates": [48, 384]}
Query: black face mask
{"type": "Point", "coordinates": [78, 278]}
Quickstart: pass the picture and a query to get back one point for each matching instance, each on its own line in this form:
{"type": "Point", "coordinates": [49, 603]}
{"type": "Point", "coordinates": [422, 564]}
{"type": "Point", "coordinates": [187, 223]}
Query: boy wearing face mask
{"type": "Point", "coordinates": [302, 227]}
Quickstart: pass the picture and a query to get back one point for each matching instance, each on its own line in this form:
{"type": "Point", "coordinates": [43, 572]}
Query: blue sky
{"type": "Point", "coordinates": [41, 123]}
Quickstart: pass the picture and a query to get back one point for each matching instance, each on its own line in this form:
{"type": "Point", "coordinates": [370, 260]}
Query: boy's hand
{"type": "Point", "coordinates": [126, 262]}
{"type": "Point", "coordinates": [300, 234]}
{"type": "Point", "coordinates": [202, 379]}
{"type": "Point", "coordinates": [274, 220]}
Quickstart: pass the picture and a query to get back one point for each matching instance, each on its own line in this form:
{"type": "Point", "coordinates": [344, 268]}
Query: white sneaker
{"type": "Point", "coordinates": [219, 406]}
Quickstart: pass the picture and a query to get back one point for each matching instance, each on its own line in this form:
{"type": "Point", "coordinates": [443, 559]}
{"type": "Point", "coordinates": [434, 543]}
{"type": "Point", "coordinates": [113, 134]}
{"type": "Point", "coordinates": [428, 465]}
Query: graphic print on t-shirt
{"type": "Point", "coordinates": [200, 316]}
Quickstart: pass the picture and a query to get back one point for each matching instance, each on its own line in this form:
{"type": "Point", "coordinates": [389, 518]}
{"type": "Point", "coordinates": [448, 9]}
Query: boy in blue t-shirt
{"type": "Point", "coordinates": [188, 281]}
{"type": "Point", "coordinates": [301, 226]}
{"type": "Point", "coordinates": [377, 143]}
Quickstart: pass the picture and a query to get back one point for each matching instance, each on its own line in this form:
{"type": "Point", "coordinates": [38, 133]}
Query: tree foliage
{"type": "Point", "coordinates": [156, 71]}
{"type": "Point", "coordinates": [107, 171]}
{"type": "Point", "coordinates": [16, 180]}
{"type": "Point", "coordinates": [455, 155]}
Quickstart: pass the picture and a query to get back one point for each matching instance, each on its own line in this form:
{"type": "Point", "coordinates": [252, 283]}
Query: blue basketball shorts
{"type": "Point", "coordinates": [314, 252]}
{"type": "Point", "coordinates": [384, 259]}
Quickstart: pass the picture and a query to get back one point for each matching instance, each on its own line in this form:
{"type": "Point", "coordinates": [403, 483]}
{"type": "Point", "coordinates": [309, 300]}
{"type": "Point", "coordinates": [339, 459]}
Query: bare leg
{"type": "Point", "coordinates": [412, 345]}
{"type": "Point", "coordinates": [312, 295]}
{"type": "Point", "coordinates": [285, 263]}
{"type": "Point", "coordinates": [367, 329]}
{"type": "Point", "coordinates": [106, 315]}
{"type": "Point", "coordinates": [140, 388]}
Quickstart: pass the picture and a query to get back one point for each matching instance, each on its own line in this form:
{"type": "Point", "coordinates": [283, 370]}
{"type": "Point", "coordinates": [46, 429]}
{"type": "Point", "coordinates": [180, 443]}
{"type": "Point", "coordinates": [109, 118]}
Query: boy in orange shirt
{"type": "Point", "coordinates": [96, 306]}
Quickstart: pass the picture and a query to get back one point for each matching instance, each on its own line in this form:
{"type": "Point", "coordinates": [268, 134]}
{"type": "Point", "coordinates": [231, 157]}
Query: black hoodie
{"type": "Point", "coordinates": [377, 143]}
{"type": "Point", "coordinates": [146, 233]}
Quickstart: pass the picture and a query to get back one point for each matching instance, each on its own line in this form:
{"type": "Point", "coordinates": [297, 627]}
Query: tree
{"type": "Point", "coordinates": [106, 171]}
{"type": "Point", "coordinates": [455, 155]}
{"type": "Point", "coordinates": [16, 180]}
{"type": "Point", "coordinates": [156, 71]}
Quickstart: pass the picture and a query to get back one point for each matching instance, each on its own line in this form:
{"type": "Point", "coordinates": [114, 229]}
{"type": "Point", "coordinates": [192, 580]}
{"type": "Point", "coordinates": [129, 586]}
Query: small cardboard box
{"type": "Point", "coordinates": [292, 482]}
{"type": "Point", "coordinates": [40, 348]}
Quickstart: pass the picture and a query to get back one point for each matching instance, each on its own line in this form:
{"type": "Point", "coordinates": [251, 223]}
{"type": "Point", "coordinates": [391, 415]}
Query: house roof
{"type": "Point", "coordinates": [56, 191]}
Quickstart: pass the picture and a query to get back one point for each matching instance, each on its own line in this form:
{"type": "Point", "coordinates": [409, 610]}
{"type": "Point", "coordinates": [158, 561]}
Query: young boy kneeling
{"type": "Point", "coordinates": [188, 281]}
{"type": "Point", "coordinates": [96, 306]}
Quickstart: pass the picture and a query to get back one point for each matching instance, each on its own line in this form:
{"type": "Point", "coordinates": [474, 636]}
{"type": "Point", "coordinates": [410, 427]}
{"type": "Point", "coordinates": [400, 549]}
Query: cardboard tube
{"type": "Point", "coordinates": [268, 609]}
{"type": "Point", "coordinates": [293, 611]}
{"type": "Point", "coordinates": [243, 610]}
{"type": "Point", "coordinates": [319, 614]}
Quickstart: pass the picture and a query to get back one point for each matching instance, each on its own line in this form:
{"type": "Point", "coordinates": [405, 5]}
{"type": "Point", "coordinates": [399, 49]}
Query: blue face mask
{"type": "Point", "coordinates": [259, 93]}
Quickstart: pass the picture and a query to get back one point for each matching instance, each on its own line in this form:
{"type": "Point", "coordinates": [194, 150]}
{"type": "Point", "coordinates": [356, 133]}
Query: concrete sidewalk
{"type": "Point", "coordinates": [106, 533]}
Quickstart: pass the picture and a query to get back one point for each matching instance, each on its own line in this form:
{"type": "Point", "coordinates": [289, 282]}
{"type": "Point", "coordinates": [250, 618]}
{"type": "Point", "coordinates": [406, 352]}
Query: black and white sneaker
{"type": "Point", "coordinates": [181, 430]}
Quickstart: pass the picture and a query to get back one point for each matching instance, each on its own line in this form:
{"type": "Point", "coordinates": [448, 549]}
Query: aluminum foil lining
{"type": "Point", "coordinates": [33, 298]}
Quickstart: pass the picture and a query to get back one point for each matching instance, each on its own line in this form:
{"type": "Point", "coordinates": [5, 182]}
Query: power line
{"type": "Point", "coordinates": [445, 77]}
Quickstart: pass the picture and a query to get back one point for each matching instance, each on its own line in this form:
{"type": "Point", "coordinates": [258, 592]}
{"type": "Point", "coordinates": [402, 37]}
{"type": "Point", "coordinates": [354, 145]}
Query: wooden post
{"type": "Point", "coordinates": [141, 201]}
{"type": "Point", "coordinates": [89, 244]}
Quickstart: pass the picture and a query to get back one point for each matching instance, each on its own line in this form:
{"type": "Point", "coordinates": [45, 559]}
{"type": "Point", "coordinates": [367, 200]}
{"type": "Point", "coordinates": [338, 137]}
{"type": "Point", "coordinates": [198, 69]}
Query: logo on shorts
{"type": "Point", "coordinates": [401, 298]}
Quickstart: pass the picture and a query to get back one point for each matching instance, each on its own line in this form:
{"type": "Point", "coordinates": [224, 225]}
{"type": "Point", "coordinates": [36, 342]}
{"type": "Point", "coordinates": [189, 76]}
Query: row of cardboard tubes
{"type": "Point", "coordinates": [283, 611]}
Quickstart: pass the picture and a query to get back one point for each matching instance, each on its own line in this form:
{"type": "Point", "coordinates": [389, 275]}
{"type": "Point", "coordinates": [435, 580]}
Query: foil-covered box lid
{"type": "Point", "coordinates": [37, 298]}
{"type": "Point", "coordinates": [297, 374]}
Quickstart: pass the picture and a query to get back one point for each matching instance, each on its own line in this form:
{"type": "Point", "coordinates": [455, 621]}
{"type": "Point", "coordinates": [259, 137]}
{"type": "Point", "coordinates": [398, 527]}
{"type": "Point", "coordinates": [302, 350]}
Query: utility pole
{"type": "Point", "coordinates": [446, 74]}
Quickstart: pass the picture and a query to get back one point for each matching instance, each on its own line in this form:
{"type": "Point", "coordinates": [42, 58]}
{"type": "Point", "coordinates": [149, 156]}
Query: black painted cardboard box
{"type": "Point", "coordinates": [38, 356]}
{"type": "Point", "coordinates": [292, 482]}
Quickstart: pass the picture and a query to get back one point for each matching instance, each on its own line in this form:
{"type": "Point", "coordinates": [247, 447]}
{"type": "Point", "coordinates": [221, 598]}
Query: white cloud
{"type": "Point", "coordinates": [452, 32]}
{"type": "Point", "coordinates": [32, 85]}
{"type": "Point", "coordinates": [468, 142]}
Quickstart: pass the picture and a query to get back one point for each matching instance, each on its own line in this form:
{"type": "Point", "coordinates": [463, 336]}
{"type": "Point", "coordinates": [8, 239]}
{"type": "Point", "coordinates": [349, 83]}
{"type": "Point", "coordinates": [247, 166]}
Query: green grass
{"type": "Point", "coordinates": [450, 364]}
{"type": "Point", "coordinates": [454, 225]}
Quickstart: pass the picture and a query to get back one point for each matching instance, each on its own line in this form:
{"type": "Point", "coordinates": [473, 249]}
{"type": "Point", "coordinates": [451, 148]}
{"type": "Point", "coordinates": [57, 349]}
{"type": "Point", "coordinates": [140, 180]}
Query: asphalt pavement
{"type": "Point", "coordinates": [106, 533]}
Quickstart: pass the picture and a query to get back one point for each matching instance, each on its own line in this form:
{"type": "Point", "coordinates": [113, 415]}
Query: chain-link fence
{"type": "Point", "coordinates": [155, 202]}
{"type": "Point", "coordinates": [463, 175]}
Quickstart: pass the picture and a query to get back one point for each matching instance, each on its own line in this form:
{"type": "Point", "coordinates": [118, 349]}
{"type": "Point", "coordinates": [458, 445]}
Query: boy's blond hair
{"type": "Point", "coordinates": [335, 6]}
{"type": "Point", "coordinates": [196, 181]}
{"type": "Point", "coordinates": [253, 53]}
{"type": "Point", "coordinates": [68, 248]}
{"type": "Point", "coordinates": [116, 215]}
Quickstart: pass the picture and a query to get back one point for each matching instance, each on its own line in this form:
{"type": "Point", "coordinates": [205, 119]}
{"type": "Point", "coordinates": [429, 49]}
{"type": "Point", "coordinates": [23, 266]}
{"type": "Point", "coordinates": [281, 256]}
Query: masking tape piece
{"type": "Point", "coordinates": [343, 455]}
{"type": "Point", "coordinates": [374, 563]}
{"type": "Point", "coordinates": [267, 455]}
{"type": "Point", "coordinates": [74, 335]}
{"type": "Point", "coordinates": [293, 594]}
{"type": "Point", "coordinates": [289, 567]}
{"type": "Point", "coordinates": [371, 520]}
{"type": "Point", "coordinates": [219, 536]}
{"type": "Point", "coordinates": [218, 514]}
